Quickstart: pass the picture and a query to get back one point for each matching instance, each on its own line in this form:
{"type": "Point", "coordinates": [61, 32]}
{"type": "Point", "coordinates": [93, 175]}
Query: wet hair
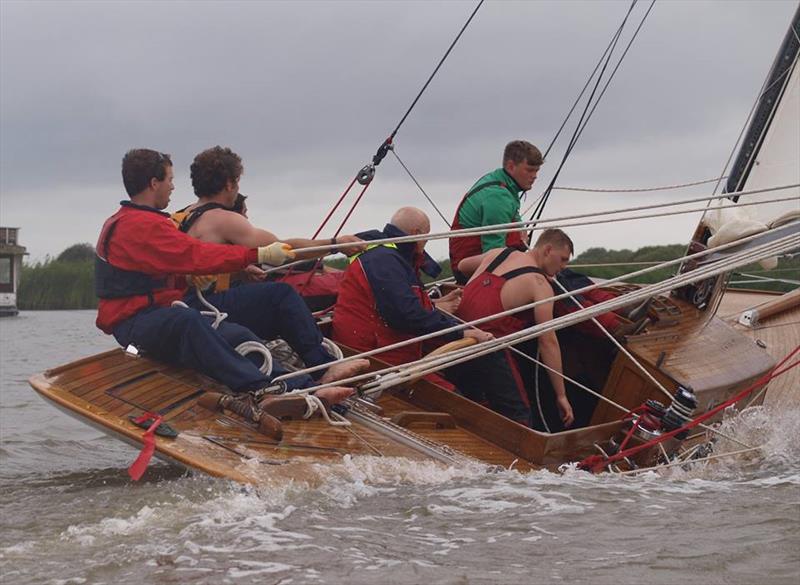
{"type": "Point", "coordinates": [238, 205]}
{"type": "Point", "coordinates": [213, 168]}
{"type": "Point", "coordinates": [139, 165]}
{"type": "Point", "coordinates": [520, 150]}
{"type": "Point", "coordinates": [556, 238]}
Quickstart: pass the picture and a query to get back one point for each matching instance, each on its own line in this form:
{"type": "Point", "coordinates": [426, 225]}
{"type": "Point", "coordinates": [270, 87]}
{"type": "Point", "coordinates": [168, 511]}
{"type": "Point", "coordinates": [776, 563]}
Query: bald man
{"type": "Point", "coordinates": [382, 301]}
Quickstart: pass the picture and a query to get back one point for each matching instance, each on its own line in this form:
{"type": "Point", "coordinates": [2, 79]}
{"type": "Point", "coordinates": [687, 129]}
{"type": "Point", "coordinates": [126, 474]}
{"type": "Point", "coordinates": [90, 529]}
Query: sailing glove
{"type": "Point", "coordinates": [275, 254]}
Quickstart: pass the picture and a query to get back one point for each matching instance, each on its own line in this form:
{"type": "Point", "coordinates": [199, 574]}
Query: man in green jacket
{"type": "Point", "coordinates": [495, 199]}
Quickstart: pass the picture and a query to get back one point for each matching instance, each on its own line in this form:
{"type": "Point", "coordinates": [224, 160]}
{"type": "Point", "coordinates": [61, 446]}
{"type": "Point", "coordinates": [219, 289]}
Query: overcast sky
{"type": "Point", "coordinates": [306, 91]}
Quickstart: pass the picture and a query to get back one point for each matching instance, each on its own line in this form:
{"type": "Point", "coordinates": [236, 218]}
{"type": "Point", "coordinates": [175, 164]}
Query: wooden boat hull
{"type": "Point", "coordinates": [420, 421]}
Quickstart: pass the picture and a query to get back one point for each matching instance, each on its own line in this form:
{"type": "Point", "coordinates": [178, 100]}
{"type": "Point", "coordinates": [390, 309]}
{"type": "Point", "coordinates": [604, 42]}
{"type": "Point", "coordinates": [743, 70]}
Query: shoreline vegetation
{"type": "Point", "coordinates": [66, 282]}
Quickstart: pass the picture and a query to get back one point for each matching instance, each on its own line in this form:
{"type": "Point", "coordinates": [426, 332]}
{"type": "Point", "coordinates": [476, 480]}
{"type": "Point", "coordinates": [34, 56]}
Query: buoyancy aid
{"type": "Point", "coordinates": [184, 219]}
{"type": "Point", "coordinates": [465, 247]}
{"type": "Point", "coordinates": [358, 324]}
{"type": "Point", "coordinates": [111, 282]}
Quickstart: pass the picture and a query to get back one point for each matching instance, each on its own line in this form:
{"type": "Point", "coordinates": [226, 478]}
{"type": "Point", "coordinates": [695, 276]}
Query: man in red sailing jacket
{"type": "Point", "coordinates": [382, 301]}
{"type": "Point", "coordinates": [495, 199]}
{"type": "Point", "coordinates": [140, 254]}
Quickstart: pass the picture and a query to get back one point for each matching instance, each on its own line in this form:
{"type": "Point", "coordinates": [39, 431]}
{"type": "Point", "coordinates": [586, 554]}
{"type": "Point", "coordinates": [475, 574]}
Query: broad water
{"type": "Point", "coordinates": [70, 515]}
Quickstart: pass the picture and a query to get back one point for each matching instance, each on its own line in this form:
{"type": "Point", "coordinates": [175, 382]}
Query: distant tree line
{"type": "Point", "coordinates": [67, 281]}
{"type": "Point", "coordinates": [64, 282]}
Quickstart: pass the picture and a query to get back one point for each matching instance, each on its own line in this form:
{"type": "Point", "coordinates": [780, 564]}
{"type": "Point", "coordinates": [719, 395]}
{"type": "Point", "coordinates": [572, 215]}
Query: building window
{"type": "Point", "coordinates": [5, 270]}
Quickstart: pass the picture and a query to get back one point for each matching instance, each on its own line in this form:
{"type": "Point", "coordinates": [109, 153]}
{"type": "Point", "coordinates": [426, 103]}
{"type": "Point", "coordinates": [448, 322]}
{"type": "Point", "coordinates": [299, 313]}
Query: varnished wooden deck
{"type": "Point", "coordinates": [780, 334]}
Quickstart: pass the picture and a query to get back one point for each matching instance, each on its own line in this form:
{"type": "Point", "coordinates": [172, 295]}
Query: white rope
{"type": "Point", "coordinates": [611, 264]}
{"type": "Point", "coordinates": [219, 317]}
{"type": "Point", "coordinates": [690, 461]}
{"type": "Point", "coordinates": [581, 315]}
{"type": "Point", "coordinates": [640, 189]}
{"type": "Point", "coordinates": [482, 320]}
{"type": "Point", "coordinates": [428, 365]}
{"type": "Point", "coordinates": [248, 347]}
{"type": "Point", "coordinates": [537, 225]}
{"type": "Point", "coordinates": [399, 374]}
{"type": "Point", "coordinates": [333, 350]}
{"type": "Point", "coordinates": [536, 389]}
{"type": "Point", "coordinates": [314, 404]}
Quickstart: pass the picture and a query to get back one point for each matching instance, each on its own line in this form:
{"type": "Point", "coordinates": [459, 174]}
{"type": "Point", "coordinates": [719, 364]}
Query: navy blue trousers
{"type": "Point", "coordinates": [271, 310]}
{"type": "Point", "coordinates": [185, 337]}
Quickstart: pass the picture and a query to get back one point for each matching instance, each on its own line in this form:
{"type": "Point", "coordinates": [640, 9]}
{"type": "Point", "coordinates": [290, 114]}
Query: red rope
{"type": "Point", "coordinates": [138, 467]}
{"type": "Point", "coordinates": [313, 272]}
{"type": "Point", "coordinates": [595, 463]}
{"type": "Point", "coordinates": [334, 208]}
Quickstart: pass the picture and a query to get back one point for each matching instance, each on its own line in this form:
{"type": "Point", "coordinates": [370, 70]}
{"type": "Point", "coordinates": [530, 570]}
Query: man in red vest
{"type": "Point", "coordinates": [382, 301]}
{"type": "Point", "coordinates": [495, 199]}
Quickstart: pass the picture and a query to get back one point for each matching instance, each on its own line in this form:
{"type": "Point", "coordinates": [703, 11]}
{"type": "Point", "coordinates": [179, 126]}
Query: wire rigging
{"type": "Point", "coordinates": [591, 104]}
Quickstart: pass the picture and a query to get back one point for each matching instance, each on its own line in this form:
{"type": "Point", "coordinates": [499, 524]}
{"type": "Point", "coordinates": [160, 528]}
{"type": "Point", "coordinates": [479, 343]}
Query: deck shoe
{"type": "Point", "coordinates": [291, 407]}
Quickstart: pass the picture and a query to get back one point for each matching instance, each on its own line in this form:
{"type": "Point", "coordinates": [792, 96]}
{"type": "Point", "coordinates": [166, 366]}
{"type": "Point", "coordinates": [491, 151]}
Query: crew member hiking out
{"type": "Point", "coordinates": [216, 173]}
{"type": "Point", "coordinates": [140, 257]}
{"type": "Point", "coordinates": [495, 199]}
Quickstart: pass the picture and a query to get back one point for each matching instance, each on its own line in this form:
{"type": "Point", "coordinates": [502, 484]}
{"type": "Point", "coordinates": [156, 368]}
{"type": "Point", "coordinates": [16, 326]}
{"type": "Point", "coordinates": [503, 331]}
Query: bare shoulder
{"type": "Point", "coordinates": [222, 226]}
{"type": "Point", "coordinates": [537, 285]}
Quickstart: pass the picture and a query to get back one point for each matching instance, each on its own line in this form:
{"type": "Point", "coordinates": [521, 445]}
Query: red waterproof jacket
{"type": "Point", "coordinates": [382, 301]}
{"type": "Point", "coordinates": [144, 240]}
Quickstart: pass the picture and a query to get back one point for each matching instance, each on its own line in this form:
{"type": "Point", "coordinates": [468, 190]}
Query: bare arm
{"type": "Point", "coordinates": [469, 265]}
{"type": "Point", "coordinates": [549, 348]}
{"type": "Point", "coordinates": [236, 229]}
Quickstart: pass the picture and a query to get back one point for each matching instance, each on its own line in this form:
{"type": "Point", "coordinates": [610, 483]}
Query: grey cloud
{"type": "Point", "coordinates": [307, 91]}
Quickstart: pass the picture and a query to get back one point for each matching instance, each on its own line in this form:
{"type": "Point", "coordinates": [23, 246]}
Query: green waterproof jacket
{"type": "Point", "coordinates": [491, 205]}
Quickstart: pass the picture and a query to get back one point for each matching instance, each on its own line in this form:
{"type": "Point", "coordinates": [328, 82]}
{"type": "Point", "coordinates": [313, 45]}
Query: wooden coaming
{"type": "Point", "coordinates": [688, 349]}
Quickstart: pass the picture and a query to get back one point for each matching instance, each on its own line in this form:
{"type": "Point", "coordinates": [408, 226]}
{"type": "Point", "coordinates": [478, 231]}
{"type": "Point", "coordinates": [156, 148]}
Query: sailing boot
{"type": "Point", "coordinates": [292, 407]}
{"type": "Point", "coordinates": [246, 407]}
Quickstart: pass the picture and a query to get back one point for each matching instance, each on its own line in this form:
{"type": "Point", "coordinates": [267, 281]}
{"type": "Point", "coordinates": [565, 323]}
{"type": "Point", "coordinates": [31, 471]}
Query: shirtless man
{"type": "Point", "coordinates": [267, 309]}
{"type": "Point", "coordinates": [215, 174]}
{"type": "Point", "coordinates": [506, 278]}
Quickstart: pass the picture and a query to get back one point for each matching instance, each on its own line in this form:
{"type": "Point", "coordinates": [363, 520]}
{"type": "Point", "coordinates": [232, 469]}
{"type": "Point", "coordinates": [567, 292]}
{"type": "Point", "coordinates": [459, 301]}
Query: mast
{"type": "Point", "coordinates": [770, 151]}
{"type": "Point", "coordinates": [768, 156]}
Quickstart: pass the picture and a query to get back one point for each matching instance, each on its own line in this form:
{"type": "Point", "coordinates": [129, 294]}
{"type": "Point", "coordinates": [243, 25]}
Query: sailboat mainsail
{"type": "Point", "coordinates": [770, 152]}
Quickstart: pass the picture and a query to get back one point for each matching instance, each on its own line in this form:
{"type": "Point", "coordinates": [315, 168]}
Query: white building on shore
{"type": "Point", "coordinates": [11, 254]}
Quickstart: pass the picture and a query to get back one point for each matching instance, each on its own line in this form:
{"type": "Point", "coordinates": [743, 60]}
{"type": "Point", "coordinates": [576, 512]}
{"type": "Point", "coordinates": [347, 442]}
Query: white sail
{"type": "Point", "coordinates": [778, 160]}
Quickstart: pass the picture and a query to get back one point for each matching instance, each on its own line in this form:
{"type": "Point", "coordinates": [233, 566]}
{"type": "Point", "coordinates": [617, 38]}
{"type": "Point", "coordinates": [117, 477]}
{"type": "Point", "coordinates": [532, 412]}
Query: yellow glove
{"type": "Point", "coordinates": [275, 254]}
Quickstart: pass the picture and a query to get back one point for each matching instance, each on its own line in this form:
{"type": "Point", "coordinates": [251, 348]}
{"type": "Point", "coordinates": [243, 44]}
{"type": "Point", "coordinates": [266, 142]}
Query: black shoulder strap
{"type": "Point", "coordinates": [520, 271]}
{"type": "Point", "coordinates": [195, 214]}
{"type": "Point", "coordinates": [499, 259]}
